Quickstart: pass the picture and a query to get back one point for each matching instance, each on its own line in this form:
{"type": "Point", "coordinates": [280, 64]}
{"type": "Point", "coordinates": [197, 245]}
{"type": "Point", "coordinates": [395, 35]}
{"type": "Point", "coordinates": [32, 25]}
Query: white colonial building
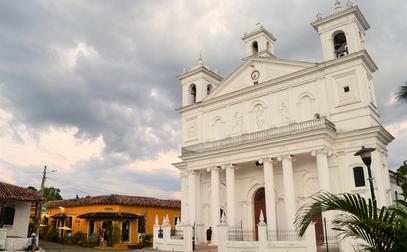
{"type": "Point", "coordinates": [275, 131]}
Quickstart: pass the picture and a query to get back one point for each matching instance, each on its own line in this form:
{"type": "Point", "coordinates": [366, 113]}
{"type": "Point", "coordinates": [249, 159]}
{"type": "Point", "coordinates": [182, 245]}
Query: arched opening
{"type": "Point", "coordinates": [125, 230]}
{"type": "Point", "coordinates": [268, 46]}
{"type": "Point", "coordinates": [340, 44]}
{"type": "Point", "coordinates": [192, 93]}
{"type": "Point", "coordinates": [209, 89]}
{"type": "Point", "coordinates": [107, 227]}
{"type": "Point", "coordinates": [91, 228]}
{"type": "Point", "coordinates": [255, 47]}
{"type": "Point", "coordinates": [259, 204]}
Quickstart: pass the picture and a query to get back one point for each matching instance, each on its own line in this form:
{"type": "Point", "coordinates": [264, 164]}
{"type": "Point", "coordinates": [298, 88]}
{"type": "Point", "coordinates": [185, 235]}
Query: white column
{"type": "Point", "coordinates": [230, 195]}
{"type": "Point", "coordinates": [378, 182]}
{"type": "Point", "coordinates": [270, 195]}
{"type": "Point", "coordinates": [191, 197]}
{"type": "Point", "coordinates": [184, 197]}
{"type": "Point", "coordinates": [289, 192]}
{"type": "Point", "coordinates": [215, 205]}
{"type": "Point", "coordinates": [323, 169]}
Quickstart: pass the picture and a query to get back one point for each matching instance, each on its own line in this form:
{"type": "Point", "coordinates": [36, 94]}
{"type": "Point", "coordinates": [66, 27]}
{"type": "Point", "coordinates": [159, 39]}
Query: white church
{"type": "Point", "coordinates": [275, 131]}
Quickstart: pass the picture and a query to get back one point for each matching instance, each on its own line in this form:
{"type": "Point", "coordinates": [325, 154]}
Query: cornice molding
{"type": "Point", "coordinates": [314, 68]}
{"type": "Point", "coordinates": [352, 10]}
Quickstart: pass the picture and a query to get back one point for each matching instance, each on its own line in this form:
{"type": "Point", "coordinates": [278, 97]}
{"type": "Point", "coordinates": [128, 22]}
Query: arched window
{"type": "Point", "coordinates": [340, 44]}
{"type": "Point", "coordinates": [192, 92]}
{"type": "Point", "coordinates": [91, 227]}
{"type": "Point", "coordinates": [268, 46]}
{"type": "Point", "coordinates": [125, 230]}
{"type": "Point", "coordinates": [359, 176]}
{"type": "Point", "coordinates": [209, 89]}
{"type": "Point", "coordinates": [141, 228]}
{"type": "Point", "coordinates": [255, 47]}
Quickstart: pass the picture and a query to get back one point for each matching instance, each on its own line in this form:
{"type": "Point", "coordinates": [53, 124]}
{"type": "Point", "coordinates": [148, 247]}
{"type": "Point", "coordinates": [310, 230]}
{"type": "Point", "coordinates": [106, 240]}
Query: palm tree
{"type": "Point", "coordinates": [401, 95]}
{"type": "Point", "coordinates": [382, 229]}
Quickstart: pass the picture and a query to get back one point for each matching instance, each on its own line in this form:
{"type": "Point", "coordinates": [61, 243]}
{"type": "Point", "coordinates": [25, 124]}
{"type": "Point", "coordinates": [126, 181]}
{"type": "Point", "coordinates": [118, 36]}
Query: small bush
{"type": "Point", "coordinates": [75, 238]}
{"type": "Point", "coordinates": [52, 234]}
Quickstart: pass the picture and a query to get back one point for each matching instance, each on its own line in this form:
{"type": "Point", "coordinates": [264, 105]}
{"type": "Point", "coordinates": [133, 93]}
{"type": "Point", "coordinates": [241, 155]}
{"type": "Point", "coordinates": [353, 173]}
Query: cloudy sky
{"type": "Point", "coordinates": [89, 88]}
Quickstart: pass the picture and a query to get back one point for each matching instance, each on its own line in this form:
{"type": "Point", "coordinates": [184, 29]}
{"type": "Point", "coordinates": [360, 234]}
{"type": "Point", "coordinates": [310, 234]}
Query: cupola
{"type": "Point", "coordinates": [259, 42]}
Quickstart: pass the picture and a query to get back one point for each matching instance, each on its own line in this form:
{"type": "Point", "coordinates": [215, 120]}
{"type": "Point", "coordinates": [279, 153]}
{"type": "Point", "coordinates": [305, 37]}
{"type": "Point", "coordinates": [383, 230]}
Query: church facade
{"type": "Point", "coordinates": [275, 131]}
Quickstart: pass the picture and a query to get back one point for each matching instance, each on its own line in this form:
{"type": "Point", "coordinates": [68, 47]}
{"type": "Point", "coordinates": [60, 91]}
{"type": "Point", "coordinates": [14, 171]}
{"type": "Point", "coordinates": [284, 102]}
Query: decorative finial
{"type": "Point", "coordinates": [167, 219]}
{"type": "Point", "coordinates": [200, 60]}
{"type": "Point", "coordinates": [349, 4]}
{"type": "Point", "coordinates": [164, 219]}
{"type": "Point", "coordinates": [338, 6]}
{"type": "Point", "coordinates": [261, 218]}
{"type": "Point", "coordinates": [259, 26]}
{"type": "Point", "coordinates": [319, 16]}
{"type": "Point", "coordinates": [156, 220]}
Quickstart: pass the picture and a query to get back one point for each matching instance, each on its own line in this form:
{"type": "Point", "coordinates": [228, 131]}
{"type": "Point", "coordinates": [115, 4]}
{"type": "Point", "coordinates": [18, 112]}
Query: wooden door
{"type": "Point", "coordinates": [319, 230]}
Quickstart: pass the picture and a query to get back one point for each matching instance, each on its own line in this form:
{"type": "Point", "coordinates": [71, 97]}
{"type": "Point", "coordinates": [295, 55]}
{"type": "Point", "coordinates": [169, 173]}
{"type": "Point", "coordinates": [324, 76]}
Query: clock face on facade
{"type": "Point", "coordinates": [255, 75]}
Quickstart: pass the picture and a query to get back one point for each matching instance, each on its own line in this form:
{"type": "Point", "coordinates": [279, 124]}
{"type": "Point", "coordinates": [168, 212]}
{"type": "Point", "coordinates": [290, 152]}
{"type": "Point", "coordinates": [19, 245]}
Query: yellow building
{"type": "Point", "coordinates": [122, 218]}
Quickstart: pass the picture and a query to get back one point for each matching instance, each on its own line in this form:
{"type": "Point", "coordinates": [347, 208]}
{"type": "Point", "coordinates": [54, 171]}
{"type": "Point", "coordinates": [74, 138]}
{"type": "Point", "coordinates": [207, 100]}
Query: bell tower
{"type": "Point", "coordinates": [342, 32]}
{"type": "Point", "coordinates": [198, 83]}
{"type": "Point", "coordinates": [259, 42]}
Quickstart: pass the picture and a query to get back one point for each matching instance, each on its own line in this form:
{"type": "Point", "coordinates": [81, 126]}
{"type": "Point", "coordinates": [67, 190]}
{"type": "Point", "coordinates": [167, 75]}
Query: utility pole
{"type": "Point", "coordinates": [38, 208]}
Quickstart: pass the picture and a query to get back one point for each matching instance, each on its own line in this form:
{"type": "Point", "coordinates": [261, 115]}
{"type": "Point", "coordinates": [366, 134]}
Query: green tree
{"type": "Point", "coordinates": [32, 188]}
{"type": "Point", "coordinates": [51, 193]}
{"type": "Point", "coordinates": [401, 94]}
{"type": "Point", "coordinates": [401, 178]}
{"type": "Point", "coordinates": [382, 229]}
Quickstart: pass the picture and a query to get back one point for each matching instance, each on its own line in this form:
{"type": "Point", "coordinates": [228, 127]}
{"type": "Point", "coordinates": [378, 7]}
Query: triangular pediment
{"type": "Point", "coordinates": [269, 68]}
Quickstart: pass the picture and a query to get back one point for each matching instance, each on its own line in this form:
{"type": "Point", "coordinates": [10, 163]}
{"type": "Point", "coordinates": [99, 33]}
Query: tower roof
{"type": "Point", "coordinates": [200, 67]}
{"type": "Point", "coordinates": [260, 29]}
{"type": "Point", "coordinates": [339, 12]}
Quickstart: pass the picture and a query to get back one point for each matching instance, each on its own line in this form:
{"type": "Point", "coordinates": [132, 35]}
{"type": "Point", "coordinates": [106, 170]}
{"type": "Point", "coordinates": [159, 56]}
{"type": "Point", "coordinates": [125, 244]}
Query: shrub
{"type": "Point", "coordinates": [52, 234]}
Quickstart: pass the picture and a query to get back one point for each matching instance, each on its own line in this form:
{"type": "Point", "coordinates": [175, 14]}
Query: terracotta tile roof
{"type": "Point", "coordinates": [115, 199]}
{"type": "Point", "coordinates": [13, 192]}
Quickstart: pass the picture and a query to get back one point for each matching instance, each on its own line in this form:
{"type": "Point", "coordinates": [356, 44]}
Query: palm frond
{"type": "Point", "coordinates": [359, 218]}
{"type": "Point", "coordinates": [401, 94]}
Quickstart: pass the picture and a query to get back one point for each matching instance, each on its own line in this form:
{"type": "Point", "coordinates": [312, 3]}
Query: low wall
{"type": "Point", "coordinates": [264, 245]}
{"type": "Point", "coordinates": [162, 239]}
{"type": "Point", "coordinates": [18, 244]}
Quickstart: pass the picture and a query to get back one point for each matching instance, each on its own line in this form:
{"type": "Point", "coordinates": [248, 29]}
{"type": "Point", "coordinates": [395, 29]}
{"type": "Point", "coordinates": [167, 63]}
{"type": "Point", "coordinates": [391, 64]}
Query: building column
{"type": "Point", "coordinates": [289, 191]}
{"type": "Point", "coordinates": [270, 193]}
{"type": "Point", "coordinates": [377, 167]}
{"type": "Point", "coordinates": [230, 195]}
{"type": "Point", "coordinates": [191, 197]}
{"type": "Point", "coordinates": [215, 205]}
{"type": "Point", "coordinates": [323, 169]}
{"type": "Point", "coordinates": [184, 197]}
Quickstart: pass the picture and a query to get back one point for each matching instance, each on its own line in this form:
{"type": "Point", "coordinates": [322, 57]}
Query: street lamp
{"type": "Point", "coordinates": [366, 155]}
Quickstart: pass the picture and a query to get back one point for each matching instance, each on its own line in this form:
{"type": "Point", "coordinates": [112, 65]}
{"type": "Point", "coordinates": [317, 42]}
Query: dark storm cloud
{"type": "Point", "coordinates": [126, 90]}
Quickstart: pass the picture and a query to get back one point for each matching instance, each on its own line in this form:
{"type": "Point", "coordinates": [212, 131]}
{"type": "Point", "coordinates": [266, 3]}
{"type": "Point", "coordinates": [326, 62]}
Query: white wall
{"type": "Point", "coordinates": [21, 219]}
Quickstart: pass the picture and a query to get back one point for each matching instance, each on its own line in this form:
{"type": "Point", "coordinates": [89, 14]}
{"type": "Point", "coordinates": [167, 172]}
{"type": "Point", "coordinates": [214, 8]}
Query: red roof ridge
{"type": "Point", "coordinates": [116, 199]}
{"type": "Point", "coordinates": [18, 193]}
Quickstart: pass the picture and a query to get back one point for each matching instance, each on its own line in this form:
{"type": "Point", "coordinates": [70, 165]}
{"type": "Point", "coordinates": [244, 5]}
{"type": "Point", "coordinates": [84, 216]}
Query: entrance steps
{"type": "Point", "coordinates": [205, 248]}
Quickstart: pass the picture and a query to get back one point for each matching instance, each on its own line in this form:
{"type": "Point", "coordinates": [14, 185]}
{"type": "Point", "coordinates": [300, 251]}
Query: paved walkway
{"type": "Point", "coordinates": [57, 247]}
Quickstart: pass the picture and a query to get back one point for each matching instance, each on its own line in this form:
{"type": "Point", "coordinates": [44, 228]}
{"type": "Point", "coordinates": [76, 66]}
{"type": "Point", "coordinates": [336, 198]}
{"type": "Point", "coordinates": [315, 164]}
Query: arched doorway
{"type": "Point", "coordinates": [108, 228]}
{"type": "Point", "coordinates": [259, 203]}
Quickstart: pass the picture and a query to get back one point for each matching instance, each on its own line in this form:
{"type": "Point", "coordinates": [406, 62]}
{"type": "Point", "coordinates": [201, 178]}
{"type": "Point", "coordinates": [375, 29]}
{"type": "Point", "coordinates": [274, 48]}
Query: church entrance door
{"type": "Point", "coordinates": [259, 205]}
{"type": "Point", "coordinates": [319, 230]}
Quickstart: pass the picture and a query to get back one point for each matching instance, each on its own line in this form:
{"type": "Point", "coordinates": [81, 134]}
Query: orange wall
{"type": "Point", "coordinates": [81, 225]}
